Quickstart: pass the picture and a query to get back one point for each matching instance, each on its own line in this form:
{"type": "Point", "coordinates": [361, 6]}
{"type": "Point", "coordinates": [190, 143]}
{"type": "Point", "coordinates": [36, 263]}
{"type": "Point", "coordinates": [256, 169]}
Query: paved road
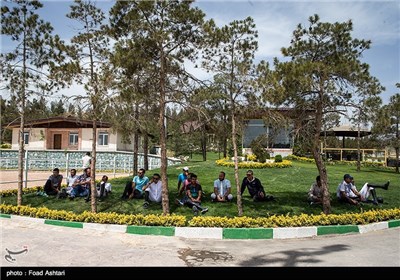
{"type": "Point", "coordinates": [62, 246]}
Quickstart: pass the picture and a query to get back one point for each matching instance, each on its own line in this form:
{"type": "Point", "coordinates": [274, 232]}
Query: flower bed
{"type": "Point", "coordinates": [254, 165]}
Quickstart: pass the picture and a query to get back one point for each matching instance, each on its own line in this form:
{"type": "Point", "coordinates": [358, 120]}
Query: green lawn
{"type": "Point", "coordinates": [289, 186]}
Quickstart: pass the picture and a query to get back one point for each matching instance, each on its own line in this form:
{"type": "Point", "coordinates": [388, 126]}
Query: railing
{"type": "Point", "coordinates": [372, 155]}
{"type": "Point", "coordinates": [113, 162]}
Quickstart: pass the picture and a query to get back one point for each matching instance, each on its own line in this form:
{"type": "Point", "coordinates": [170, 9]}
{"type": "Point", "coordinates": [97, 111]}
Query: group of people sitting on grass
{"type": "Point", "coordinates": [142, 187]}
{"type": "Point", "coordinates": [76, 185]}
{"type": "Point", "coordinates": [189, 186]}
{"type": "Point", "coordinates": [347, 192]}
{"type": "Point", "coordinates": [190, 192]}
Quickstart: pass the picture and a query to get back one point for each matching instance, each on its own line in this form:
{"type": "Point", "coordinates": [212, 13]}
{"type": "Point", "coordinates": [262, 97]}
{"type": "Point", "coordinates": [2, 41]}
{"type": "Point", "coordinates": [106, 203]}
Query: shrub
{"type": "Point", "coordinates": [252, 157]}
{"type": "Point", "coordinates": [258, 149]}
{"type": "Point", "coordinates": [274, 221]}
{"type": "Point", "coordinates": [278, 158]}
{"type": "Point", "coordinates": [254, 165]}
{"type": "Point", "coordinates": [5, 146]}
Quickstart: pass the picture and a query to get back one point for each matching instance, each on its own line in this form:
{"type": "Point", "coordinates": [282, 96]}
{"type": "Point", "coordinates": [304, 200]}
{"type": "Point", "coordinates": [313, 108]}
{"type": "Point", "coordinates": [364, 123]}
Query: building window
{"type": "Point", "coordinates": [73, 138]}
{"type": "Point", "coordinates": [26, 138]}
{"type": "Point", "coordinates": [103, 138]}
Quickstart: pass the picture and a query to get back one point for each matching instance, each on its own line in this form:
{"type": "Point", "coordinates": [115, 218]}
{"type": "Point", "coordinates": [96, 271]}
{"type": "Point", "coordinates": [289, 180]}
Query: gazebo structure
{"type": "Point", "coordinates": [348, 153]}
{"type": "Point", "coordinates": [345, 131]}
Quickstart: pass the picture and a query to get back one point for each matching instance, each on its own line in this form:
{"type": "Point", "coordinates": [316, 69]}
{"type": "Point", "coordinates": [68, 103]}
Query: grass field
{"type": "Point", "coordinates": [289, 186]}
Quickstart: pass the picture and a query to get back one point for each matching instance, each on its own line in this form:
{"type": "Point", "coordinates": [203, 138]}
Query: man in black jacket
{"type": "Point", "coordinates": [256, 190]}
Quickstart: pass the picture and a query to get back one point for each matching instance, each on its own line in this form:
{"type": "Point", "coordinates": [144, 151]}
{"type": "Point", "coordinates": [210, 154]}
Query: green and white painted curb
{"type": "Point", "coordinates": [217, 233]}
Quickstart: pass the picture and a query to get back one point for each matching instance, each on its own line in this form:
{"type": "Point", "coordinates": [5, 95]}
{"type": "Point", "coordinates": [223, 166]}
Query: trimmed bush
{"type": "Point", "coordinates": [278, 158]}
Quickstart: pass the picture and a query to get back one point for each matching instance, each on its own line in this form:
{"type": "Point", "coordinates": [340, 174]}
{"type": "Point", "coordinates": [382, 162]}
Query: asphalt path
{"type": "Point", "coordinates": [49, 245]}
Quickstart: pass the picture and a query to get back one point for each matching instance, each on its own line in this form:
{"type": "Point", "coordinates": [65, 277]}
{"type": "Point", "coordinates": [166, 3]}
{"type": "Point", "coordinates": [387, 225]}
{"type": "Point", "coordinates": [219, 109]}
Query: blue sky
{"type": "Point", "coordinates": [275, 21]}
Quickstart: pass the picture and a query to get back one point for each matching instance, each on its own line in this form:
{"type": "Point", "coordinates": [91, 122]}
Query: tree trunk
{"type": "Point", "coordinates": [163, 146]}
{"type": "Point", "coordinates": [136, 141]}
{"type": "Point", "coordinates": [21, 152]}
{"type": "Point", "coordinates": [21, 148]}
{"type": "Point", "coordinates": [225, 138]}
{"type": "Point", "coordinates": [225, 146]}
{"type": "Point", "coordinates": [358, 149]}
{"type": "Point", "coordinates": [204, 144]}
{"type": "Point", "coordinates": [397, 148]}
{"type": "Point", "coordinates": [235, 155]}
{"type": "Point", "coordinates": [326, 204]}
{"type": "Point", "coordinates": [146, 151]}
{"type": "Point", "coordinates": [93, 202]}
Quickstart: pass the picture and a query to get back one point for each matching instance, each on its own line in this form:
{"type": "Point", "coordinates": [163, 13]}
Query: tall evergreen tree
{"type": "Point", "coordinates": [8, 115]}
{"type": "Point", "coordinates": [169, 31]}
{"type": "Point", "coordinates": [90, 56]}
{"type": "Point", "coordinates": [324, 74]}
{"type": "Point", "coordinates": [231, 58]}
{"type": "Point", "coordinates": [25, 70]}
{"type": "Point", "coordinates": [363, 113]}
{"type": "Point", "coordinates": [387, 125]}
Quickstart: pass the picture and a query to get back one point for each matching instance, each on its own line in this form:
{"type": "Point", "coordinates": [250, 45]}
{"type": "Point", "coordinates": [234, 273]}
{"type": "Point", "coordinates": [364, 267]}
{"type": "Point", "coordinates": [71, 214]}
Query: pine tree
{"type": "Point", "coordinates": [324, 74]}
{"type": "Point", "coordinates": [26, 70]}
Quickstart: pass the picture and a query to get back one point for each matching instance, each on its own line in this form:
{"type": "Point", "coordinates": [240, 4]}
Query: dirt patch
{"type": "Point", "coordinates": [194, 257]}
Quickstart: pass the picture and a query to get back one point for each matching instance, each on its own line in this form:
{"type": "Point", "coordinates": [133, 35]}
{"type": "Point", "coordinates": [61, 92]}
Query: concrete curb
{"type": "Point", "coordinates": [198, 232]}
{"type": "Point", "coordinates": [217, 233]}
{"type": "Point", "coordinates": [105, 227]}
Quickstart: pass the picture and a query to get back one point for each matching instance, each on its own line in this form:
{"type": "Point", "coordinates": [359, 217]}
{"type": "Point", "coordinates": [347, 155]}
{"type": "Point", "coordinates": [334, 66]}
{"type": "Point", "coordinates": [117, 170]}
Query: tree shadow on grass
{"type": "Point", "coordinates": [287, 202]}
{"type": "Point", "coordinates": [296, 202]}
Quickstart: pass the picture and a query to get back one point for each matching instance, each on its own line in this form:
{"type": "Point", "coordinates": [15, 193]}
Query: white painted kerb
{"type": "Point", "coordinates": [294, 232]}
{"type": "Point", "coordinates": [198, 232]}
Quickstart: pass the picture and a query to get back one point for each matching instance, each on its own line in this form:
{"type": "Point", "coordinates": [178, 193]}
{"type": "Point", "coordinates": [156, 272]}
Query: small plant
{"type": "Point", "coordinates": [252, 157]}
{"type": "Point", "coordinates": [5, 146]}
{"type": "Point", "coordinates": [278, 158]}
{"type": "Point", "coordinates": [257, 147]}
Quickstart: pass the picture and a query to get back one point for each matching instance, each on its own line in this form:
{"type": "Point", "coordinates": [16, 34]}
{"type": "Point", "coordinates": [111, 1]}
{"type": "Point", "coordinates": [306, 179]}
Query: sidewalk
{"type": "Point", "coordinates": [100, 247]}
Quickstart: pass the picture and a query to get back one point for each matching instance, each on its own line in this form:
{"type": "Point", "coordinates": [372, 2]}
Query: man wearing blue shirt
{"type": "Point", "coordinates": [134, 189]}
{"type": "Point", "coordinates": [182, 177]}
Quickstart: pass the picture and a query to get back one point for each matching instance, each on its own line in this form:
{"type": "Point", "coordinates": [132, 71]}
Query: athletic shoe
{"type": "Point", "coordinates": [195, 210]}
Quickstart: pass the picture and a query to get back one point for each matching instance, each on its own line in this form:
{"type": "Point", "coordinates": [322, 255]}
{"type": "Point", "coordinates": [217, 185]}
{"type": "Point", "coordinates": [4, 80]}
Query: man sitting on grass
{"type": "Point", "coordinates": [193, 196]}
{"type": "Point", "coordinates": [53, 184]}
{"type": "Point", "coordinates": [347, 192]}
{"type": "Point", "coordinates": [153, 191]}
{"type": "Point", "coordinates": [222, 189]}
{"type": "Point", "coordinates": [256, 190]}
{"type": "Point", "coordinates": [315, 192]}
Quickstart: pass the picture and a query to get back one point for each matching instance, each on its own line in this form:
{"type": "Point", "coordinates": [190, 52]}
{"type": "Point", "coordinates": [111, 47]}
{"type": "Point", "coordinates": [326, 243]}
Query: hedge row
{"type": "Point", "coordinates": [254, 165]}
{"type": "Point", "coordinates": [273, 221]}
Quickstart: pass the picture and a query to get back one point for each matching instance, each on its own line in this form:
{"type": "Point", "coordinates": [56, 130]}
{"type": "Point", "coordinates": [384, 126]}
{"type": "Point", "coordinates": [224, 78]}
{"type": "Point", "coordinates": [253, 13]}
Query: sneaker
{"type": "Point", "coordinates": [87, 199]}
{"type": "Point", "coordinates": [178, 202]}
{"type": "Point", "coordinates": [195, 210]}
{"type": "Point", "coordinates": [386, 186]}
{"type": "Point", "coordinates": [311, 203]}
{"type": "Point", "coordinates": [146, 205]}
{"type": "Point", "coordinates": [205, 210]}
